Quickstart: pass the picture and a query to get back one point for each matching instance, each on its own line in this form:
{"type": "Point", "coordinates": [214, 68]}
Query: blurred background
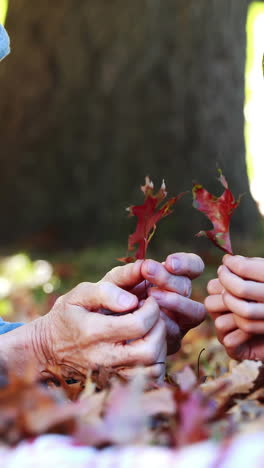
{"type": "Point", "coordinates": [98, 94]}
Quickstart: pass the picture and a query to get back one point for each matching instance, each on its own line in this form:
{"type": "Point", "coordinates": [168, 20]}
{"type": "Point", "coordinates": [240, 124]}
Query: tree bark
{"type": "Point", "coordinates": [96, 95]}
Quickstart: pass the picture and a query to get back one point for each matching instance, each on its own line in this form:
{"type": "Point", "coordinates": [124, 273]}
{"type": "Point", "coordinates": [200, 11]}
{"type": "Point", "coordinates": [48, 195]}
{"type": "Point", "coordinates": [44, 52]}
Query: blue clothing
{"type": "Point", "coordinates": [8, 326]}
{"type": "Point", "coordinates": [4, 43]}
{"type": "Point", "coordinates": [4, 51]}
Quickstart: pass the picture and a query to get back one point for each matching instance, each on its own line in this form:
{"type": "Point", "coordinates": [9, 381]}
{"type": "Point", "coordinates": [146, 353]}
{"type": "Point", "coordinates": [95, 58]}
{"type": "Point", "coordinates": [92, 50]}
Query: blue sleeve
{"type": "Point", "coordinates": [8, 326]}
{"type": "Point", "coordinates": [4, 43]}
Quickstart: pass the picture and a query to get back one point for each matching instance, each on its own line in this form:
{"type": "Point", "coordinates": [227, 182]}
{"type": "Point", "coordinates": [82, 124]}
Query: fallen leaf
{"type": "Point", "coordinates": [186, 379]}
{"type": "Point", "coordinates": [239, 381]}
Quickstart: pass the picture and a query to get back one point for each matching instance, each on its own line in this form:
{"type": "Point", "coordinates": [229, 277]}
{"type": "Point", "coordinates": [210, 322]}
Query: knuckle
{"type": "Point", "coordinates": [240, 266]}
{"type": "Point", "coordinates": [149, 355]}
{"type": "Point", "coordinates": [104, 288]}
{"type": "Point", "coordinates": [158, 371]}
{"type": "Point", "coordinates": [241, 288]}
{"type": "Point", "coordinates": [246, 325]}
{"type": "Point", "coordinates": [60, 306]}
{"type": "Point", "coordinates": [59, 302]}
{"type": "Point", "coordinates": [78, 291]}
{"type": "Point", "coordinates": [115, 273]}
{"type": "Point", "coordinates": [177, 301]}
{"type": "Point", "coordinates": [82, 285]}
{"type": "Point", "coordinates": [220, 324]}
{"type": "Point", "coordinates": [246, 310]}
{"type": "Point", "coordinates": [211, 286]}
{"type": "Point", "coordinates": [140, 324]}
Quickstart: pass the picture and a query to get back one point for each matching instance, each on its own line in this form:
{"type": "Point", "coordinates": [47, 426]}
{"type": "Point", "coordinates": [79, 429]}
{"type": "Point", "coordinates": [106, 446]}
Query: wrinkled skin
{"type": "Point", "coordinates": [236, 304]}
{"type": "Point", "coordinates": [123, 321]}
{"type": "Point", "coordinates": [170, 283]}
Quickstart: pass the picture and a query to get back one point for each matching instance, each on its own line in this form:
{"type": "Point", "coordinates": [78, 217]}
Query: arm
{"type": "Point", "coordinates": [18, 346]}
{"type": "Point", "coordinates": [76, 335]}
{"type": "Point", "coordinates": [6, 327]}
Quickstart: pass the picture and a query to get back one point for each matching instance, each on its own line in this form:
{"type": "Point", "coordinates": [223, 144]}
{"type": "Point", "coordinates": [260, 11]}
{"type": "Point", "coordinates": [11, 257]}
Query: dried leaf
{"type": "Point", "coordinates": [148, 215]}
{"type": "Point", "coordinates": [195, 410]}
{"type": "Point", "coordinates": [219, 210]}
{"type": "Point", "coordinates": [239, 381]}
{"type": "Point", "coordinates": [186, 379]}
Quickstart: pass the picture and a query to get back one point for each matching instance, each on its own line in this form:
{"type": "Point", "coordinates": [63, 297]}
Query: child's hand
{"type": "Point", "coordinates": [236, 303]}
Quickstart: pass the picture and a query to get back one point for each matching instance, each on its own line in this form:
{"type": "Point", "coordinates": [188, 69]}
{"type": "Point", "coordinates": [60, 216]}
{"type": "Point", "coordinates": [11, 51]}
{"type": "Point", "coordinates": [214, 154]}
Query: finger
{"type": "Point", "coordinates": [184, 264]}
{"type": "Point", "coordinates": [252, 327]}
{"type": "Point", "coordinates": [240, 345]}
{"type": "Point", "coordinates": [247, 268]}
{"type": "Point", "coordinates": [234, 340]}
{"type": "Point", "coordinates": [239, 287]}
{"type": "Point", "coordinates": [136, 352]}
{"type": "Point", "coordinates": [103, 294]}
{"type": "Point", "coordinates": [157, 274]}
{"type": "Point", "coordinates": [224, 324]}
{"type": "Point", "coordinates": [125, 276]}
{"type": "Point", "coordinates": [215, 304]}
{"type": "Point", "coordinates": [173, 333]}
{"type": "Point", "coordinates": [244, 309]}
{"type": "Point", "coordinates": [131, 326]}
{"type": "Point", "coordinates": [154, 372]}
{"type": "Point", "coordinates": [214, 286]}
{"type": "Point", "coordinates": [146, 351]}
{"type": "Point", "coordinates": [183, 310]}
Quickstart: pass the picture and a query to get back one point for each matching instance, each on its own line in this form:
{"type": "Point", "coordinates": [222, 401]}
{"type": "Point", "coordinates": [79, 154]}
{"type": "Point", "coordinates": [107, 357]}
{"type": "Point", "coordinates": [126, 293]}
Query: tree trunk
{"type": "Point", "coordinates": [95, 96]}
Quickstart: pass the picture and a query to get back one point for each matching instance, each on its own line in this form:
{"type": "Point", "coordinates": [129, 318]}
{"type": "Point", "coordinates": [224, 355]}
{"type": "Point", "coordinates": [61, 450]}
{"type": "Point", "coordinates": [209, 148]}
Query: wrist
{"type": "Point", "coordinates": [26, 346]}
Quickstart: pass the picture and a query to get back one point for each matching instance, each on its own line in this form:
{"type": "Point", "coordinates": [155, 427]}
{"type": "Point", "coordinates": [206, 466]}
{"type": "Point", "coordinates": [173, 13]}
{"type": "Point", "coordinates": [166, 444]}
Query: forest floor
{"type": "Point", "coordinates": [221, 395]}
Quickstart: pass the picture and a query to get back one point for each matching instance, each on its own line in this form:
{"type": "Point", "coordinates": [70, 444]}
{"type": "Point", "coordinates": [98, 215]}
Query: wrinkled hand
{"type": "Point", "coordinates": [236, 304]}
{"type": "Point", "coordinates": [76, 333]}
{"type": "Point", "coordinates": [170, 284]}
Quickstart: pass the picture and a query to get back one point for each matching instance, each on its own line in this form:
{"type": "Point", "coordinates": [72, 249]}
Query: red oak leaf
{"type": "Point", "coordinates": [148, 215]}
{"type": "Point", "coordinates": [219, 210]}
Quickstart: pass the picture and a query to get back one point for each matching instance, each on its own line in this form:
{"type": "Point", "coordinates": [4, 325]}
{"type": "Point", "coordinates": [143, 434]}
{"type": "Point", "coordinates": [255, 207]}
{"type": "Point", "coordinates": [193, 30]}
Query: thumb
{"type": "Point", "coordinates": [94, 296]}
{"type": "Point", "coordinates": [125, 276]}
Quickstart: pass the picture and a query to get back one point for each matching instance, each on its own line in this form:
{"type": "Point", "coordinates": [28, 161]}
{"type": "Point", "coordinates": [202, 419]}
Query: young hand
{"type": "Point", "coordinates": [236, 303]}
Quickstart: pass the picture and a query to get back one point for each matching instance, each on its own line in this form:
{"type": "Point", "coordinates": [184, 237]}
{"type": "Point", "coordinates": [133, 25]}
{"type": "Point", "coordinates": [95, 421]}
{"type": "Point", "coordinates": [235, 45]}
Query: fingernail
{"type": "Point", "coordinates": [125, 300]}
{"type": "Point", "coordinates": [175, 264]}
{"type": "Point", "coordinates": [219, 269]}
{"type": "Point", "coordinates": [151, 268]}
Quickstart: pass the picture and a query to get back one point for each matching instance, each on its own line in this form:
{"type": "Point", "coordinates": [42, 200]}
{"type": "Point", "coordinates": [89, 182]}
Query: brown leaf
{"type": "Point", "coordinates": [240, 380]}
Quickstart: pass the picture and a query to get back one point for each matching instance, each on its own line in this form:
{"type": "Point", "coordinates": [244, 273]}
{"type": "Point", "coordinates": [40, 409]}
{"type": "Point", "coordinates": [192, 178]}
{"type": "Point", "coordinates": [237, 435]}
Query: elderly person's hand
{"type": "Point", "coordinates": [236, 304]}
{"type": "Point", "coordinates": [170, 284]}
{"type": "Point", "coordinates": [76, 335]}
